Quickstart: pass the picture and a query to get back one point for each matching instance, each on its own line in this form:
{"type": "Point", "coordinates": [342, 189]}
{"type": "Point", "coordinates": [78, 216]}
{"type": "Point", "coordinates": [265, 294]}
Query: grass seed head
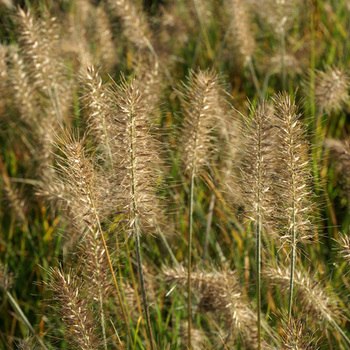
{"type": "Point", "coordinates": [257, 168]}
{"type": "Point", "coordinates": [293, 179]}
{"type": "Point", "coordinates": [69, 292]}
{"type": "Point", "coordinates": [314, 298]}
{"type": "Point", "coordinates": [201, 105]}
{"type": "Point", "coordinates": [136, 172]}
{"type": "Point", "coordinates": [219, 292]}
{"type": "Point", "coordinates": [296, 336]}
{"type": "Point", "coordinates": [134, 21]}
{"type": "Point", "coordinates": [241, 32]}
{"type": "Point", "coordinates": [331, 90]}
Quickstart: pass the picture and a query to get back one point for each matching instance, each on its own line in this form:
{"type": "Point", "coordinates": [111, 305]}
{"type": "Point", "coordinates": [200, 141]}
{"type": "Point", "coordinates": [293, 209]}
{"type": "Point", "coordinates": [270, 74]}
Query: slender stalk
{"type": "Point", "coordinates": [283, 61]}
{"type": "Point", "coordinates": [258, 231]}
{"type": "Point", "coordinates": [117, 288]}
{"type": "Point", "coordinates": [190, 224]}
{"type": "Point", "coordinates": [292, 268]}
{"type": "Point", "coordinates": [137, 234]}
{"type": "Point", "coordinates": [102, 315]}
{"type": "Point", "coordinates": [208, 227]}
{"type": "Point", "coordinates": [173, 258]}
{"type": "Point", "coordinates": [100, 296]}
{"type": "Point", "coordinates": [255, 78]}
{"type": "Point", "coordinates": [112, 271]}
{"type": "Point", "coordinates": [258, 269]}
{"type": "Point", "coordinates": [341, 332]}
{"type": "Point", "coordinates": [24, 318]}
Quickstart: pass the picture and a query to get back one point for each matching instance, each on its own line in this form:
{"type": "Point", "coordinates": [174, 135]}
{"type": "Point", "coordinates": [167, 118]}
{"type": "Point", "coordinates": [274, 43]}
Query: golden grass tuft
{"type": "Point", "coordinates": [331, 91]}
{"type": "Point", "coordinates": [201, 106]}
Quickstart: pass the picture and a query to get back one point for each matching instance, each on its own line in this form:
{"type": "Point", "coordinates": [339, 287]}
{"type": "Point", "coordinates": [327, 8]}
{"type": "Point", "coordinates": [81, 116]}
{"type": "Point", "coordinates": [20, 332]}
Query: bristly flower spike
{"type": "Point", "coordinates": [294, 193]}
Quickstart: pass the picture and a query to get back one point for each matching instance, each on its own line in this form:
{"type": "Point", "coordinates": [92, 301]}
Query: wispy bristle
{"type": "Point", "coordinates": [257, 169]}
{"type": "Point", "coordinates": [293, 180]}
{"type": "Point", "coordinates": [69, 292]}
{"type": "Point", "coordinates": [106, 49]}
{"type": "Point", "coordinates": [219, 293]}
{"type": "Point", "coordinates": [99, 114]}
{"type": "Point", "coordinates": [201, 105]}
{"type": "Point", "coordinates": [331, 90]}
{"type": "Point", "coordinates": [38, 40]}
{"type": "Point", "coordinates": [312, 296]}
{"type": "Point", "coordinates": [296, 336]}
{"type": "Point", "coordinates": [29, 343]}
{"type": "Point", "coordinates": [241, 33]}
{"type": "Point", "coordinates": [290, 62]}
{"type": "Point", "coordinates": [136, 158]}
{"type": "Point", "coordinates": [279, 14]}
{"type": "Point", "coordinates": [341, 151]}
{"type": "Point", "coordinates": [135, 25]}
{"type": "Point", "coordinates": [84, 192]}
{"type": "Point", "coordinates": [25, 95]}
{"type": "Point", "coordinates": [198, 340]}
{"type": "Point", "coordinates": [149, 77]}
{"type": "Point", "coordinates": [6, 278]}
{"type": "Point", "coordinates": [344, 242]}
{"type": "Point", "coordinates": [3, 77]}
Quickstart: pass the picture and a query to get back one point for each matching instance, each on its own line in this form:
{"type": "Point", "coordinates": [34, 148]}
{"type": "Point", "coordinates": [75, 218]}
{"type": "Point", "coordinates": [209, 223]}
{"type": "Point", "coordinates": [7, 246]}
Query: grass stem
{"type": "Point", "coordinates": [255, 78]}
{"type": "Point", "coordinates": [292, 266]}
{"type": "Point", "coordinates": [283, 59]}
{"type": "Point", "coordinates": [190, 228]}
{"type": "Point", "coordinates": [137, 234]}
{"type": "Point", "coordinates": [24, 318]}
{"type": "Point", "coordinates": [258, 269]}
{"type": "Point", "coordinates": [209, 222]}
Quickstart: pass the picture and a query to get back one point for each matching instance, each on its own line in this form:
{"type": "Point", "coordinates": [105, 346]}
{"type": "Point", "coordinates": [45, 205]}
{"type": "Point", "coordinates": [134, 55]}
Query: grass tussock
{"type": "Point", "coordinates": [166, 183]}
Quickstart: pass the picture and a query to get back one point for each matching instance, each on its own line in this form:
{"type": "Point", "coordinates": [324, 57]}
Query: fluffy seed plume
{"type": "Point", "coordinates": [314, 299]}
{"type": "Point", "coordinates": [241, 33]}
{"type": "Point", "coordinates": [106, 49]}
{"type": "Point", "coordinates": [33, 40]}
{"type": "Point", "coordinates": [150, 80]}
{"type": "Point", "coordinates": [24, 93]}
{"type": "Point", "coordinates": [84, 189]}
{"type": "Point", "coordinates": [256, 170]}
{"type": "Point", "coordinates": [219, 293]}
{"type": "Point", "coordinates": [38, 40]}
{"type": "Point", "coordinates": [134, 149]}
{"type": "Point", "coordinates": [341, 150]}
{"type": "Point", "coordinates": [200, 107]}
{"type": "Point", "coordinates": [296, 336]}
{"type": "Point", "coordinates": [134, 21]}
{"type": "Point", "coordinates": [98, 109]}
{"type": "Point", "coordinates": [29, 343]}
{"type": "Point", "coordinates": [198, 340]}
{"type": "Point", "coordinates": [290, 61]}
{"type": "Point", "coordinates": [293, 185]}
{"type": "Point", "coordinates": [3, 78]}
{"type": "Point", "coordinates": [74, 309]}
{"type": "Point", "coordinates": [279, 14]}
{"type": "Point", "coordinates": [331, 91]}
{"type": "Point", "coordinates": [5, 278]}
{"type": "Point", "coordinates": [344, 243]}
